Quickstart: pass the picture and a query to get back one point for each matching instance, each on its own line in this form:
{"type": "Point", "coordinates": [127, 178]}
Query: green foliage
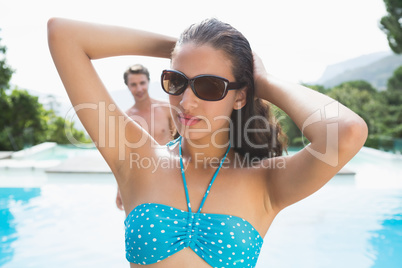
{"type": "Point", "coordinates": [5, 71]}
{"type": "Point", "coordinates": [24, 121]}
{"type": "Point", "coordinates": [395, 82]}
{"type": "Point", "coordinates": [393, 99]}
{"type": "Point", "coordinates": [293, 133]}
{"type": "Point", "coordinates": [391, 24]}
{"type": "Point", "coordinates": [364, 100]}
{"type": "Point", "coordinates": [62, 131]}
{"type": "Point", "coordinates": [381, 110]}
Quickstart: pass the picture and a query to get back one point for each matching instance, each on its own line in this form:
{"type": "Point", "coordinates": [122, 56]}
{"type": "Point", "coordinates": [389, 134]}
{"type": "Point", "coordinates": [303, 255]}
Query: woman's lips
{"type": "Point", "coordinates": [188, 120]}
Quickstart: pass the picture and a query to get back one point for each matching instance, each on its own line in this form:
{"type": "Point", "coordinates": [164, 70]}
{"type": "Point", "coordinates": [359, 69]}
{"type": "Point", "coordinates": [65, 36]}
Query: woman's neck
{"type": "Point", "coordinates": [200, 152]}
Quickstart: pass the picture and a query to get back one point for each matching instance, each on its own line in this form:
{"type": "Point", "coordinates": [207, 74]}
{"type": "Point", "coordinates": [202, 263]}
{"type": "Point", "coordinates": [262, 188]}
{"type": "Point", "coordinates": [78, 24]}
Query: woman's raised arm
{"type": "Point", "coordinates": [336, 134]}
{"type": "Point", "coordinates": [73, 44]}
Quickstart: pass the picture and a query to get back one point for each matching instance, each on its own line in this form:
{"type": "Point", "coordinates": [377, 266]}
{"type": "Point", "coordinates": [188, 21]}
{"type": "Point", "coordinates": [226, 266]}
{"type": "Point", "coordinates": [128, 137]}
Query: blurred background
{"type": "Point", "coordinates": [53, 194]}
{"type": "Point", "coordinates": [341, 49]}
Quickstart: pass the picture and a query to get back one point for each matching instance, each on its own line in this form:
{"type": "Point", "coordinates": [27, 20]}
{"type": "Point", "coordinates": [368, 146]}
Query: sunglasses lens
{"type": "Point", "coordinates": [173, 83]}
{"type": "Point", "coordinates": [209, 88]}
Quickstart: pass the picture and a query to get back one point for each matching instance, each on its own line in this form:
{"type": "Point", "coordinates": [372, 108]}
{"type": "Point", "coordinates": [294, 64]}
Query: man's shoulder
{"type": "Point", "coordinates": [132, 111]}
{"type": "Point", "coordinates": [160, 104]}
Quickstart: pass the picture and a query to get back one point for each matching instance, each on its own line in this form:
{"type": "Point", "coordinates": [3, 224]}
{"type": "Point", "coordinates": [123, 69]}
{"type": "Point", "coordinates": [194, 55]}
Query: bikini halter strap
{"type": "Point", "coordinates": [184, 177]}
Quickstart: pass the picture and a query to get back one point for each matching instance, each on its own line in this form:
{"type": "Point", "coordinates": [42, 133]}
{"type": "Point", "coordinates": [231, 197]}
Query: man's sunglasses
{"type": "Point", "coordinates": [205, 87]}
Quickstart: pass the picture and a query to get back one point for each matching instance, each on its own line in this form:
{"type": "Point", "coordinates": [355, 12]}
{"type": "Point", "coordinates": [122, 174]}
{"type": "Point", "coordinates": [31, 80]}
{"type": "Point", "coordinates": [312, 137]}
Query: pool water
{"type": "Point", "coordinates": [62, 224]}
{"type": "Point", "coordinates": [62, 220]}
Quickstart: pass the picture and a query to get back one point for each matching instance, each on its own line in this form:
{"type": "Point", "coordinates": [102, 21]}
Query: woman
{"type": "Point", "coordinates": [208, 198]}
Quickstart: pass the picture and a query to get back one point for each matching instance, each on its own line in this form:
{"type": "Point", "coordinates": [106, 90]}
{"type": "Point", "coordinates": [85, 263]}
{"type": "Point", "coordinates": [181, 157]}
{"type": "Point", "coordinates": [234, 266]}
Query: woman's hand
{"type": "Point", "coordinates": [260, 76]}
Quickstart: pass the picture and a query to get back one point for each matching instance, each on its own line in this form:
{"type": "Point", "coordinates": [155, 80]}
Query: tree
{"type": "Point", "coordinates": [395, 82]}
{"type": "Point", "coordinates": [5, 75]}
{"type": "Point", "coordinates": [24, 121]}
{"type": "Point", "coordinates": [5, 71]}
{"type": "Point", "coordinates": [393, 96]}
{"type": "Point", "coordinates": [60, 128]}
{"type": "Point", "coordinates": [391, 24]}
{"type": "Point", "coordinates": [363, 99]}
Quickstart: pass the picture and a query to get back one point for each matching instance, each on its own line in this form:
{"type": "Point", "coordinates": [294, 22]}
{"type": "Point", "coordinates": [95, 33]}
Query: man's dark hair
{"type": "Point", "coordinates": [135, 69]}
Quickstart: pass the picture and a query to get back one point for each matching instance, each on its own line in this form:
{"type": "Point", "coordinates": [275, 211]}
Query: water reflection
{"type": "Point", "coordinates": [387, 242]}
{"type": "Point", "coordinates": [9, 197]}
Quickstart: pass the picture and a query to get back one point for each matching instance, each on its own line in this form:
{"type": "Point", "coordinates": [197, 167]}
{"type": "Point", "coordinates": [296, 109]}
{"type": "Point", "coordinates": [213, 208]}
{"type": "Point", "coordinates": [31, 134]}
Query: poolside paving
{"type": "Point", "coordinates": [5, 154]}
{"type": "Point", "coordinates": [90, 162]}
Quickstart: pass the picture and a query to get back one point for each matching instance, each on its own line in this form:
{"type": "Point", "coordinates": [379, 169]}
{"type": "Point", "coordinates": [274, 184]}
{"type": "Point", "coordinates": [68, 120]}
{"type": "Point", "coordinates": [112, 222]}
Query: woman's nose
{"type": "Point", "coordinates": [189, 100]}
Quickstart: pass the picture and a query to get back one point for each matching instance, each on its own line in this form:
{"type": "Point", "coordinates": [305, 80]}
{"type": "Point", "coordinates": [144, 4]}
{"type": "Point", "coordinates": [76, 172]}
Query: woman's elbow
{"type": "Point", "coordinates": [56, 30]}
{"type": "Point", "coordinates": [52, 25]}
{"type": "Point", "coordinates": [353, 134]}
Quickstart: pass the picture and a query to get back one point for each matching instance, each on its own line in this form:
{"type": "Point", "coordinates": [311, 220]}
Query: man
{"type": "Point", "coordinates": [152, 115]}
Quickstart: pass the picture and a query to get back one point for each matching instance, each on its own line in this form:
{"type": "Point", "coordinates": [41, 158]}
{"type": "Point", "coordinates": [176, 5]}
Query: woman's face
{"type": "Point", "coordinates": [196, 119]}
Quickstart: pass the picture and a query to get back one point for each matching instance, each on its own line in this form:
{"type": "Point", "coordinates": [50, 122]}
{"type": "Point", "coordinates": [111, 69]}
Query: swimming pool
{"type": "Point", "coordinates": [63, 220]}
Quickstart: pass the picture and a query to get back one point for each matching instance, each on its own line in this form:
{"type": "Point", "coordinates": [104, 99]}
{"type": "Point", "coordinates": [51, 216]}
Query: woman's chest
{"type": "Point", "coordinates": [235, 193]}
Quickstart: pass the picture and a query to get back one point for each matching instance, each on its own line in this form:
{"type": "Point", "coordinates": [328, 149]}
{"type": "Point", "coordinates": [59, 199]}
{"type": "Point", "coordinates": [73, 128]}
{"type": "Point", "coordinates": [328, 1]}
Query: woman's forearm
{"type": "Point", "coordinates": [314, 112]}
{"type": "Point", "coordinates": [100, 41]}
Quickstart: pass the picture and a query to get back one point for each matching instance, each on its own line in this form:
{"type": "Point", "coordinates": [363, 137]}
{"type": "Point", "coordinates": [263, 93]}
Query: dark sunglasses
{"type": "Point", "coordinates": [205, 87]}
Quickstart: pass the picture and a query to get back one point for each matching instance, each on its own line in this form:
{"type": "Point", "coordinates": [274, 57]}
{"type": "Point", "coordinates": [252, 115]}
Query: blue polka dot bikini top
{"type": "Point", "coordinates": [154, 232]}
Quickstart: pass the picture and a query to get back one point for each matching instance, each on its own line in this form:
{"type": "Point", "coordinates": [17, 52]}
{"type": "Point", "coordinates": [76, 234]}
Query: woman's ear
{"type": "Point", "coordinates": [241, 99]}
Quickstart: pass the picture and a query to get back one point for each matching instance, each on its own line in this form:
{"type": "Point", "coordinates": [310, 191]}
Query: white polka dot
{"type": "Point", "coordinates": [139, 236]}
{"type": "Point", "coordinates": [152, 226]}
{"type": "Point", "coordinates": [154, 239]}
